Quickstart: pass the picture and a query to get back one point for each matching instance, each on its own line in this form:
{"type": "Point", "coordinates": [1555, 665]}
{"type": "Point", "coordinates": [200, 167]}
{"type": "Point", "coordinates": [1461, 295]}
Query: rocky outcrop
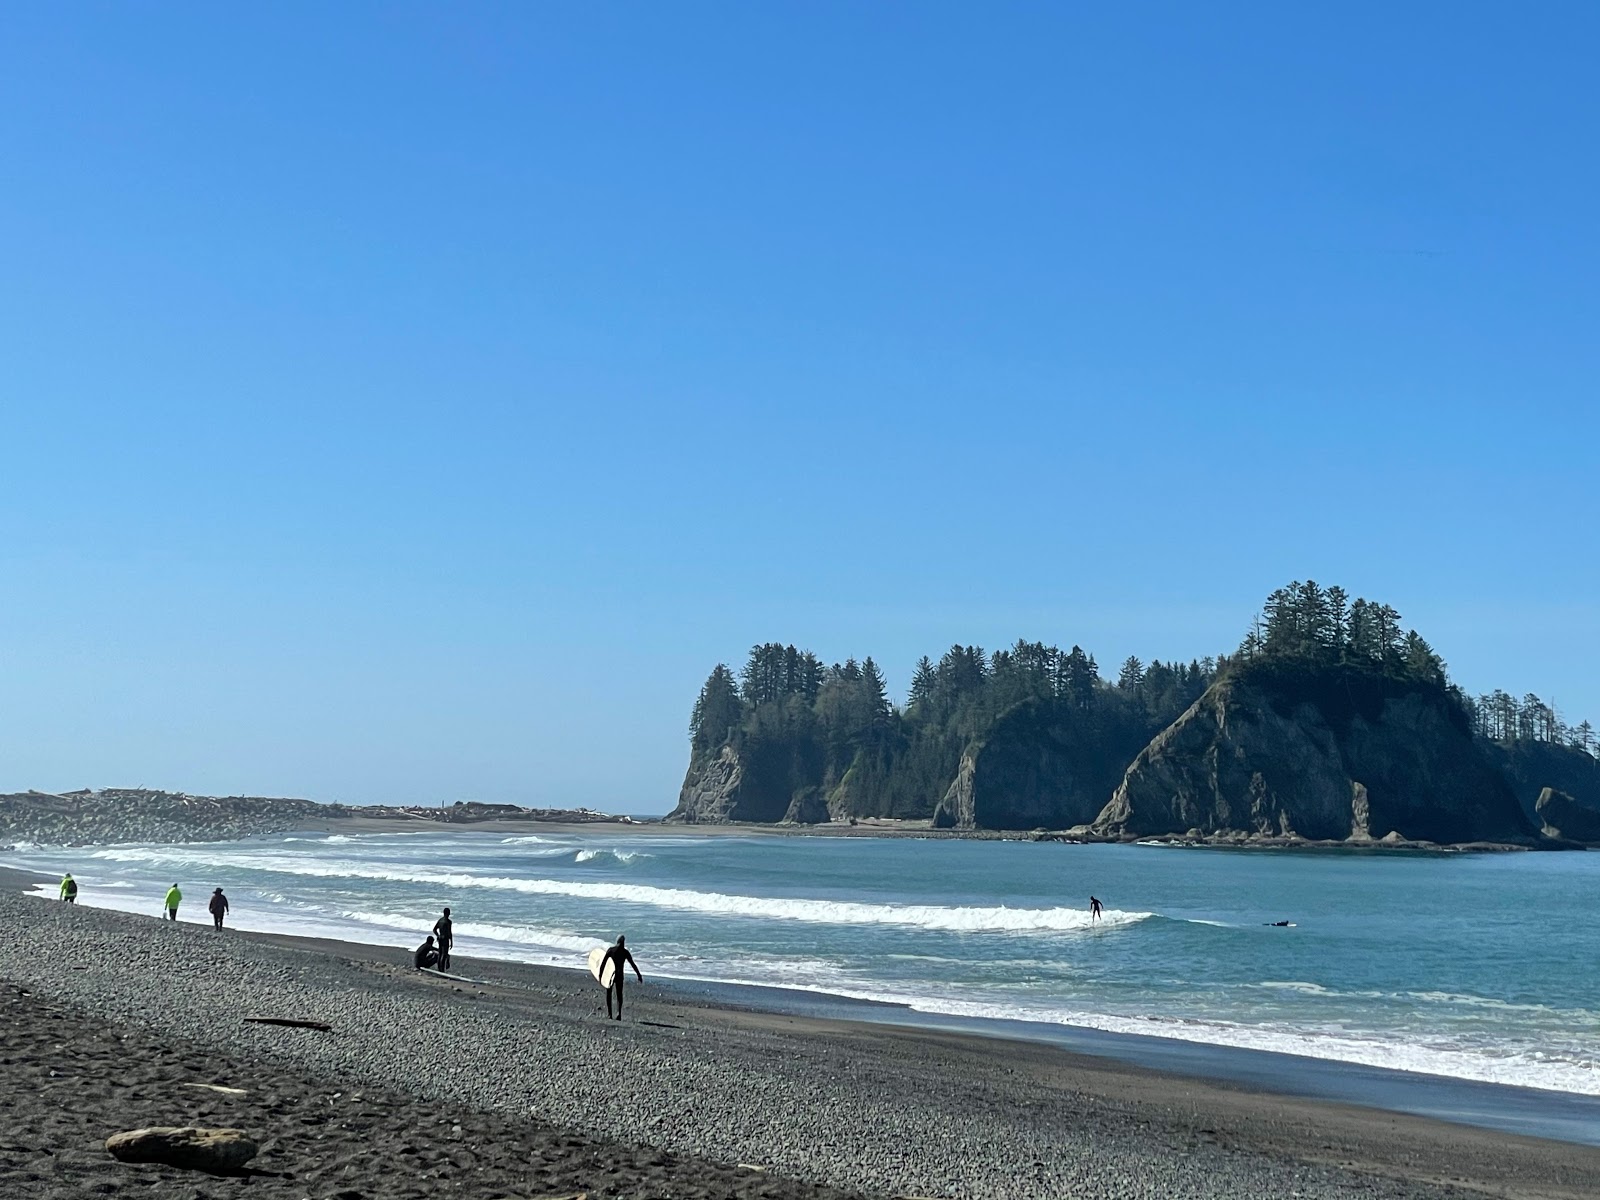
{"type": "Point", "coordinates": [1333, 754]}
{"type": "Point", "coordinates": [710, 793]}
{"type": "Point", "coordinates": [1044, 765]}
{"type": "Point", "coordinates": [1563, 817]}
{"type": "Point", "coordinates": [1532, 766]}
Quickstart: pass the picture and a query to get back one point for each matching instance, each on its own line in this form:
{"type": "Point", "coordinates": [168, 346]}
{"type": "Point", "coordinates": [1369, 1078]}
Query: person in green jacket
{"type": "Point", "coordinates": [174, 898]}
{"type": "Point", "coordinates": [69, 888]}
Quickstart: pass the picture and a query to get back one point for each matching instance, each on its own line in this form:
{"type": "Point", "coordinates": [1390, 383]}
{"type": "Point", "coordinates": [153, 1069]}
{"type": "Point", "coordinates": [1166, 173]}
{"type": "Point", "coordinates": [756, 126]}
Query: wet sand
{"type": "Point", "coordinates": [552, 1099]}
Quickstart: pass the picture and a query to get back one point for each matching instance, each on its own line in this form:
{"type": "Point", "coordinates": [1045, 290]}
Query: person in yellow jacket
{"type": "Point", "coordinates": [174, 898]}
{"type": "Point", "coordinates": [69, 888]}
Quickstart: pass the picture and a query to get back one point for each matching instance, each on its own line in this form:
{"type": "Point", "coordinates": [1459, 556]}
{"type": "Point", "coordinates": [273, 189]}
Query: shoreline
{"type": "Point", "coordinates": [123, 816]}
{"type": "Point", "coordinates": [1547, 1112]}
{"type": "Point", "coordinates": [1083, 1118]}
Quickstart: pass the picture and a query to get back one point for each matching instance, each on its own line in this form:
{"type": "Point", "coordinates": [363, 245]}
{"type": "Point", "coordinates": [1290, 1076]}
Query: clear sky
{"type": "Point", "coordinates": [413, 402]}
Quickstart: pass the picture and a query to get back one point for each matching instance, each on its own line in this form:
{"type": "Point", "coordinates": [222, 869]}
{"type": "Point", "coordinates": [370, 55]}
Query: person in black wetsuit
{"type": "Point", "coordinates": [445, 932]}
{"type": "Point", "coordinates": [427, 956]}
{"type": "Point", "coordinates": [617, 956]}
{"type": "Point", "coordinates": [1094, 909]}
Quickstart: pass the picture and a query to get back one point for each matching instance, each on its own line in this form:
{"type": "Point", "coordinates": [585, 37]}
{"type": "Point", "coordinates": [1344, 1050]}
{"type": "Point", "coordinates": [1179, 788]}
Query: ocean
{"type": "Point", "coordinates": [1475, 967]}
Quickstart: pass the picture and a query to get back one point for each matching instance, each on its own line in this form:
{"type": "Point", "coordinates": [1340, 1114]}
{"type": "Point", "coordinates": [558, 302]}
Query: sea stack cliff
{"type": "Point", "coordinates": [1329, 723]}
{"type": "Point", "coordinates": [1340, 753]}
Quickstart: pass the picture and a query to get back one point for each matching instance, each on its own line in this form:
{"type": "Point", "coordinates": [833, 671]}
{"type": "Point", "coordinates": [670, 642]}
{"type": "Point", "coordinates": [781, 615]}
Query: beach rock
{"type": "Point", "coordinates": [1564, 817]}
{"type": "Point", "coordinates": [1335, 754]}
{"type": "Point", "coordinates": [218, 1151]}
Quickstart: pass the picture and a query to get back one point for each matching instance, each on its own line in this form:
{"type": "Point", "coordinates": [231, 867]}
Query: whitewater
{"type": "Point", "coordinates": [1476, 967]}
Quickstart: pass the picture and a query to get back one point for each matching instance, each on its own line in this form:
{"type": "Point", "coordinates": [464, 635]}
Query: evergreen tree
{"type": "Point", "coordinates": [924, 682]}
{"type": "Point", "coordinates": [717, 712]}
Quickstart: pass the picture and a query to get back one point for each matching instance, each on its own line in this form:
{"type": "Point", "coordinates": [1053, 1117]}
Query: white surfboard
{"type": "Point", "coordinates": [602, 970]}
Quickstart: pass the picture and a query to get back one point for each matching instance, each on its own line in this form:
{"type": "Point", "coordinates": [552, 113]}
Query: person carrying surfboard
{"type": "Point", "coordinates": [617, 956]}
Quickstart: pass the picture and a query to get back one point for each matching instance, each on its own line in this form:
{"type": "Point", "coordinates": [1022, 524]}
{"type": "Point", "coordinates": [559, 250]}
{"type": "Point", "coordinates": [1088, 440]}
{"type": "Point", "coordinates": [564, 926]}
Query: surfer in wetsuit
{"type": "Point", "coordinates": [426, 955]}
{"type": "Point", "coordinates": [617, 956]}
{"type": "Point", "coordinates": [444, 930]}
{"type": "Point", "coordinates": [1094, 909]}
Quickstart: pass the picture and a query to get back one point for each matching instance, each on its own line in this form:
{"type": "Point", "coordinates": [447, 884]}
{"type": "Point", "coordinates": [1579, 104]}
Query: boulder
{"type": "Point", "coordinates": [219, 1151]}
{"type": "Point", "coordinates": [1564, 817]}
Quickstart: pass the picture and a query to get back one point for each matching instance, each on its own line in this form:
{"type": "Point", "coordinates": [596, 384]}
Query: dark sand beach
{"type": "Point", "coordinates": [516, 1086]}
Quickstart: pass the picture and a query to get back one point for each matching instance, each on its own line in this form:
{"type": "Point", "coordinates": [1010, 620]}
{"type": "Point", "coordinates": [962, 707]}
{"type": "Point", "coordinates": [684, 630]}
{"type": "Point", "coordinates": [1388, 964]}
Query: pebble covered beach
{"type": "Point", "coordinates": [516, 1086]}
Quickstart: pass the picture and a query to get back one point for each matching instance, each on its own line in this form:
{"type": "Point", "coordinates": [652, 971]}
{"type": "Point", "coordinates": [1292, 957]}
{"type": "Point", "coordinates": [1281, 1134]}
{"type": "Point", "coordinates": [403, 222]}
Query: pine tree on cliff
{"type": "Point", "coordinates": [924, 682]}
{"type": "Point", "coordinates": [717, 712]}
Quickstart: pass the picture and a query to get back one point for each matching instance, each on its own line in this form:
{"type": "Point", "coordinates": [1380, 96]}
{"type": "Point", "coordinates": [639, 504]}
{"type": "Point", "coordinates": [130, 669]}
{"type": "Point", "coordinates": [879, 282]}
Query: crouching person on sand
{"type": "Point", "coordinates": [427, 956]}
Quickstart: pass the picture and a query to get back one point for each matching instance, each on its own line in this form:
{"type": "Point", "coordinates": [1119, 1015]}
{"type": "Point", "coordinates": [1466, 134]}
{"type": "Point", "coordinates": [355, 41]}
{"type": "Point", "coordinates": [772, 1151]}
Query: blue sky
{"type": "Point", "coordinates": [406, 403]}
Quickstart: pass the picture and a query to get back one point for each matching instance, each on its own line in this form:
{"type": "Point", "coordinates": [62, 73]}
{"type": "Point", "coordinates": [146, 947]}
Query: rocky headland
{"type": "Point", "coordinates": [1329, 727]}
{"type": "Point", "coordinates": [113, 815]}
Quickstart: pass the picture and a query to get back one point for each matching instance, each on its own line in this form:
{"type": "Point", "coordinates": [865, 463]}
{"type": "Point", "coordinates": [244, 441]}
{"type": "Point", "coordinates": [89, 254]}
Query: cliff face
{"type": "Point", "coordinates": [710, 793]}
{"type": "Point", "coordinates": [1335, 754]}
{"type": "Point", "coordinates": [1044, 765]}
{"type": "Point", "coordinates": [1531, 767]}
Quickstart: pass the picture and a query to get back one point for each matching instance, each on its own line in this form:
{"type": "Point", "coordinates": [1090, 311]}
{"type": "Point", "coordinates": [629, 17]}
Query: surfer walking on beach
{"type": "Point", "coordinates": [69, 888]}
{"type": "Point", "coordinates": [1094, 909]}
{"type": "Point", "coordinates": [174, 898]}
{"type": "Point", "coordinates": [618, 956]}
{"type": "Point", "coordinates": [218, 906]}
{"type": "Point", "coordinates": [444, 930]}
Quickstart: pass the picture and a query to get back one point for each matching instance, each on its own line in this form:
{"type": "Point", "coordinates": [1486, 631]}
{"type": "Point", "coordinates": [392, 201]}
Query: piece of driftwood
{"type": "Point", "coordinates": [292, 1023]}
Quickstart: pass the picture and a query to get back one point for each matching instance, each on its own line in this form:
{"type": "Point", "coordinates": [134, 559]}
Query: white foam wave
{"type": "Point", "coordinates": [621, 856]}
{"type": "Point", "coordinates": [976, 919]}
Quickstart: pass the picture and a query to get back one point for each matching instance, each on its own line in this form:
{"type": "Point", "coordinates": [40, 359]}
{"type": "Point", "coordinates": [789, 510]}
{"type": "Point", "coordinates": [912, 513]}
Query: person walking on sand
{"type": "Point", "coordinates": [218, 906]}
{"type": "Point", "coordinates": [444, 930]}
{"type": "Point", "coordinates": [174, 898]}
{"type": "Point", "coordinates": [617, 956]}
{"type": "Point", "coordinates": [69, 888]}
{"type": "Point", "coordinates": [1094, 909]}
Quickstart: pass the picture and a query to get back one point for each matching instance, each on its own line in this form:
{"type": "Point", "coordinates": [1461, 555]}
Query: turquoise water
{"type": "Point", "coordinates": [1473, 966]}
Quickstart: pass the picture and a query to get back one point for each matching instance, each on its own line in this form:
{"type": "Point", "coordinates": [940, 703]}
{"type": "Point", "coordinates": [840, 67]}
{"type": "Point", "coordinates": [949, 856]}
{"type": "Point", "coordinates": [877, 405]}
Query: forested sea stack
{"type": "Point", "coordinates": [1330, 722]}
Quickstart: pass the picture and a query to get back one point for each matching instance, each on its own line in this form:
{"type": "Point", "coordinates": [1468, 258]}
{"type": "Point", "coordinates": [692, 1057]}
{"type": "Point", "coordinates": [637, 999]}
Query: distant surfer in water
{"type": "Point", "coordinates": [426, 955]}
{"type": "Point", "coordinates": [444, 930]}
{"type": "Point", "coordinates": [1094, 909]}
{"type": "Point", "coordinates": [618, 956]}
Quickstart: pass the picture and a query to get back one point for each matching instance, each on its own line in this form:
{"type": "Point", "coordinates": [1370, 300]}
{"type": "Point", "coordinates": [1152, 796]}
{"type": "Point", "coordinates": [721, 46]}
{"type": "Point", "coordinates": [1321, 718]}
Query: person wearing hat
{"type": "Point", "coordinates": [218, 907]}
{"type": "Point", "coordinates": [69, 888]}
